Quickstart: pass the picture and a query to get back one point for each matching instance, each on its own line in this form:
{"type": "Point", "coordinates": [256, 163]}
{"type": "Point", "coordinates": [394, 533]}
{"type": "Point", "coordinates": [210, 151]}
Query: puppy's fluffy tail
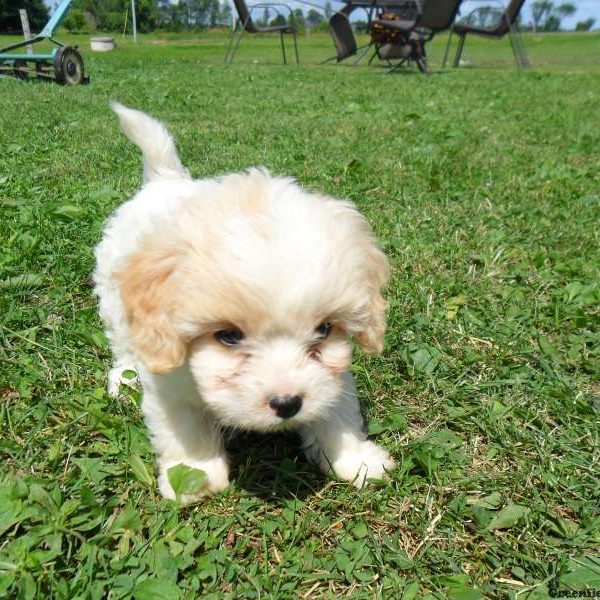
{"type": "Point", "coordinates": [161, 160]}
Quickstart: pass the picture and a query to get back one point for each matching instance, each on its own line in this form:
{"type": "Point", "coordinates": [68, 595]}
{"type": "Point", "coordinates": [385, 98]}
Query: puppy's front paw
{"type": "Point", "coordinates": [116, 378]}
{"type": "Point", "coordinates": [362, 462]}
{"type": "Point", "coordinates": [217, 478]}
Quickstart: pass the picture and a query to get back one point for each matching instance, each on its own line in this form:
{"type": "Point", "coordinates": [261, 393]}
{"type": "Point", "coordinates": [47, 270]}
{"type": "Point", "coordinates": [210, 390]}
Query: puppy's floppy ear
{"type": "Point", "coordinates": [369, 270]}
{"type": "Point", "coordinates": [376, 273]}
{"type": "Point", "coordinates": [149, 295]}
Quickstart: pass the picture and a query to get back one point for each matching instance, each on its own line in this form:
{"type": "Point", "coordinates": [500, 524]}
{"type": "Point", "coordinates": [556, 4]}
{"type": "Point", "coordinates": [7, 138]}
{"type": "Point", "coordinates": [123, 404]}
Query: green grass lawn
{"type": "Point", "coordinates": [483, 185]}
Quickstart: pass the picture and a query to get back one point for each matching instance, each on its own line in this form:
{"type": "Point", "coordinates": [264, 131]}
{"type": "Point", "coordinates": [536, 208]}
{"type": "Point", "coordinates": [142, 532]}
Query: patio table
{"type": "Point", "coordinates": [342, 32]}
{"type": "Point", "coordinates": [409, 8]}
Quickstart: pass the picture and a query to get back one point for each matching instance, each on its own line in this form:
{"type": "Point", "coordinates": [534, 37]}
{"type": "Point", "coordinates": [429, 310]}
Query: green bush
{"type": "Point", "coordinates": [75, 21]}
{"type": "Point", "coordinates": [112, 21]}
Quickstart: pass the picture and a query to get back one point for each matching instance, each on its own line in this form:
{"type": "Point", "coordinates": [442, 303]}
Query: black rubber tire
{"type": "Point", "coordinates": [68, 66]}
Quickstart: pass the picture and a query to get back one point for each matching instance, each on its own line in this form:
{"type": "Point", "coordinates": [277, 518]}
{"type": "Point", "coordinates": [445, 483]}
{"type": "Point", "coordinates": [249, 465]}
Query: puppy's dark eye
{"type": "Point", "coordinates": [324, 329]}
{"type": "Point", "coordinates": [229, 337]}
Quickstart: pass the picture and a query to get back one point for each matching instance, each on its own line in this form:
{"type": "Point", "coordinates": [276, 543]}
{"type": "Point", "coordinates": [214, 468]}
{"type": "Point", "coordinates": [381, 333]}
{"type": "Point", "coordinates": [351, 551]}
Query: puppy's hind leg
{"type": "Point", "coordinates": [339, 444]}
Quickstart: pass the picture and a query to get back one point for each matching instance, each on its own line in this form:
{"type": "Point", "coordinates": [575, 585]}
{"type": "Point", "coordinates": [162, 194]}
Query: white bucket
{"type": "Point", "coordinates": [102, 44]}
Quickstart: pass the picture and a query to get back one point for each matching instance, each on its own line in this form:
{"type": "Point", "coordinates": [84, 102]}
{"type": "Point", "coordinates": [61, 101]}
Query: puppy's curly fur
{"type": "Point", "coordinates": [234, 299]}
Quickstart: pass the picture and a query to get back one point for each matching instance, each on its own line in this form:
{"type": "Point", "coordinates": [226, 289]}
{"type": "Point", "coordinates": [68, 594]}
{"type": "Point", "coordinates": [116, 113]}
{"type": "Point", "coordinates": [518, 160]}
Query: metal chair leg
{"type": "Point", "coordinates": [524, 59]}
{"type": "Point", "coordinates": [459, 49]}
{"type": "Point", "coordinates": [447, 51]}
{"type": "Point", "coordinates": [421, 60]}
{"type": "Point", "coordinates": [419, 55]}
{"type": "Point", "coordinates": [395, 67]}
{"type": "Point", "coordinates": [296, 47]}
{"type": "Point", "coordinates": [375, 55]}
{"type": "Point", "coordinates": [282, 47]}
{"type": "Point", "coordinates": [236, 45]}
{"type": "Point", "coordinates": [511, 39]}
{"type": "Point", "coordinates": [364, 49]}
{"type": "Point", "coordinates": [517, 47]}
{"type": "Point", "coordinates": [231, 40]}
{"type": "Point", "coordinates": [514, 50]}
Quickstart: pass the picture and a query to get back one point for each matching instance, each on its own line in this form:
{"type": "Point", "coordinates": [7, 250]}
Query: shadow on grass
{"type": "Point", "coordinates": [273, 466]}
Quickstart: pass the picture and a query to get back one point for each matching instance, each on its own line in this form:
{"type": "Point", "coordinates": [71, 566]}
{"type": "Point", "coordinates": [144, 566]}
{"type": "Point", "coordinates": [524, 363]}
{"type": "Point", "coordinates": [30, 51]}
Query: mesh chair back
{"type": "Point", "coordinates": [244, 16]}
{"type": "Point", "coordinates": [437, 15]}
{"type": "Point", "coordinates": [343, 36]}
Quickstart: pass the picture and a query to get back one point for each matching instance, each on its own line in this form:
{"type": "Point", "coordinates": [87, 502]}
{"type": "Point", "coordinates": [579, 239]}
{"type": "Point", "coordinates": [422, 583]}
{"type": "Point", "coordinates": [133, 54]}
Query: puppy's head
{"type": "Point", "coordinates": [258, 286]}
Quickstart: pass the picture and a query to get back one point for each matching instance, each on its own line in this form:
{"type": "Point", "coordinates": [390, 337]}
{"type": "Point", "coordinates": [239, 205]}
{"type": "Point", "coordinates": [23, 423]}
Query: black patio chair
{"type": "Point", "coordinates": [404, 40]}
{"type": "Point", "coordinates": [506, 23]}
{"type": "Point", "coordinates": [343, 36]}
{"type": "Point", "coordinates": [245, 24]}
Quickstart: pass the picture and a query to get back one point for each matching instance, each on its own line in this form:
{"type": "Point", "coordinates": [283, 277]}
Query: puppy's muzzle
{"type": "Point", "coordinates": [285, 406]}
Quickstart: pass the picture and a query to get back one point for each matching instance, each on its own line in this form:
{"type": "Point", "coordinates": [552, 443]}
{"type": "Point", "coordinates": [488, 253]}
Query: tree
{"type": "Point", "coordinates": [488, 16]}
{"type": "Point", "coordinates": [146, 13]}
{"type": "Point", "coordinates": [585, 25]}
{"type": "Point", "coordinates": [198, 13]}
{"type": "Point", "coordinates": [540, 10]}
{"type": "Point", "coordinates": [10, 21]}
{"type": "Point", "coordinates": [214, 11]}
{"type": "Point", "coordinates": [547, 17]}
{"type": "Point", "coordinates": [75, 21]}
{"type": "Point", "coordinates": [172, 16]}
{"type": "Point", "coordinates": [278, 21]}
{"type": "Point", "coordinates": [265, 17]}
{"type": "Point", "coordinates": [328, 10]}
{"type": "Point", "coordinates": [225, 14]}
{"type": "Point", "coordinates": [109, 15]}
{"type": "Point", "coordinates": [360, 26]}
{"type": "Point", "coordinates": [94, 8]}
{"type": "Point", "coordinates": [314, 18]}
{"type": "Point", "coordinates": [298, 19]}
{"type": "Point", "coordinates": [566, 10]}
{"type": "Point", "coordinates": [552, 23]}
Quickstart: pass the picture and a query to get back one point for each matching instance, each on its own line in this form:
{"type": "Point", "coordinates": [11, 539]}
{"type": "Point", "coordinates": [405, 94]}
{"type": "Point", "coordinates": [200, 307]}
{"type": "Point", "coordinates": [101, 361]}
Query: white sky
{"type": "Point", "coordinates": [585, 9]}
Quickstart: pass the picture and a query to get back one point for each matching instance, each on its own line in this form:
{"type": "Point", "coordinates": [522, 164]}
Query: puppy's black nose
{"type": "Point", "coordinates": [285, 406]}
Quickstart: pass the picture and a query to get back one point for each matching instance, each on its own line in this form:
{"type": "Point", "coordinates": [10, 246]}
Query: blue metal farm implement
{"type": "Point", "coordinates": [62, 64]}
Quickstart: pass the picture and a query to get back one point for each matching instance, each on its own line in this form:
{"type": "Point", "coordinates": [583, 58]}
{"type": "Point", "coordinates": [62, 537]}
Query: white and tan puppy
{"type": "Point", "coordinates": [234, 300]}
